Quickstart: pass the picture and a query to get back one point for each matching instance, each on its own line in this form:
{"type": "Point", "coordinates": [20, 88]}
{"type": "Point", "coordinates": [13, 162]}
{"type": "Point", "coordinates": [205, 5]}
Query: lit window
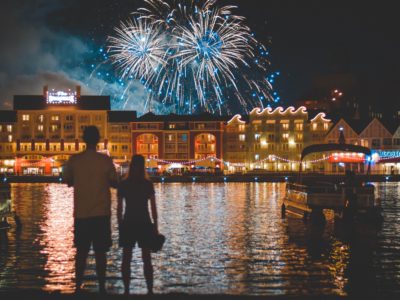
{"type": "Point", "coordinates": [170, 137]}
{"type": "Point", "coordinates": [1, 128]}
{"type": "Point", "coordinates": [326, 126]}
{"type": "Point", "coordinates": [299, 126]}
{"type": "Point", "coordinates": [10, 138]}
{"type": "Point", "coordinates": [171, 126]}
{"type": "Point", "coordinates": [25, 117]}
{"type": "Point", "coordinates": [314, 126]}
{"type": "Point", "coordinates": [257, 137]}
{"type": "Point", "coordinates": [242, 128]}
{"type": "Point", "coordinates": [55, 118]}
{"type": "Point", "coordinates": [285, 126]}
{"type": "Point", "coordinates": [41, 118]}
{"type": "Point", "coordinates": [285, 136]}
{"type": "Point", "coordinates": [242, 137]}
{"type": "Point", "coordinates": [9, 128]}
{"type": "Point", "coordinates": [257, 157]}
{"type": "Point", "coordinates": [54, 128]}
{"type": "Point", "coordinates": [40, 127]}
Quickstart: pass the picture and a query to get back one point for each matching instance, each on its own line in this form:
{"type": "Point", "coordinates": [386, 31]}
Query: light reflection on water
{"type": "Point", "coordinates": [221, 238]}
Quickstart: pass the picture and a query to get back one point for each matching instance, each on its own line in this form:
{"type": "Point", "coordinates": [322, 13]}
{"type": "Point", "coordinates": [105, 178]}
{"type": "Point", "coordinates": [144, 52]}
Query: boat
{"type": "Point", "coordinates": [5, 203]}
{"type": "Point", "coordinates": [347, 200]}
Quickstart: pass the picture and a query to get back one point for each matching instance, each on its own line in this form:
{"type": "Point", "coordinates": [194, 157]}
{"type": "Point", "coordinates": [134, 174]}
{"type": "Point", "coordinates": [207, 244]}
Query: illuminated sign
{"type": "Point", "coordinates": [60, 97]}
{"type": "Point", "coordinates": [388, 153]}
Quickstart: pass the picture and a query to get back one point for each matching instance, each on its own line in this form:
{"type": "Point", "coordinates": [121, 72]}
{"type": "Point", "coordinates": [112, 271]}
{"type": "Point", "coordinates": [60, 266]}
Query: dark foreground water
{"type": "Point", "coordinates": [221, 238]}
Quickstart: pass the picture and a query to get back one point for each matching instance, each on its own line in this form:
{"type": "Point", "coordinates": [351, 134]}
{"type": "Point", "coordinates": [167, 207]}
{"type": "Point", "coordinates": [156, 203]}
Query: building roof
{"type": "Point", "coordinates": [121, 116]}
{"type": "Point", "coordinates": [151, 117]}
{"type": "Point", "coordinates": [8, 116]}
{"type": "Point", "coordinates": [38, 102]}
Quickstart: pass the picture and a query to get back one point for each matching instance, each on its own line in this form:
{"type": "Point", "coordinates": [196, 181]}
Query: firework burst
{"type": "Point", "coordinates": [193, 56]}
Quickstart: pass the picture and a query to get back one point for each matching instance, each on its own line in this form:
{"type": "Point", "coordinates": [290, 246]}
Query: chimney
{"type": "Point", "coordinates": [78, 91]}
{"type": "Point", "coordinates": [45, 90]}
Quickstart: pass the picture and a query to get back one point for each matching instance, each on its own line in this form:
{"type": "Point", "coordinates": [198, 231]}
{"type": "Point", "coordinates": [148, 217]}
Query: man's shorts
{"type": "Point", "coordinates": [94, 231]}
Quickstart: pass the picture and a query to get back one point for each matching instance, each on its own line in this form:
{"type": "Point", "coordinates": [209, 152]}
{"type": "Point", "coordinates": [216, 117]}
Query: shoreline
{"type": "Point", "coordinates": [209, 178]}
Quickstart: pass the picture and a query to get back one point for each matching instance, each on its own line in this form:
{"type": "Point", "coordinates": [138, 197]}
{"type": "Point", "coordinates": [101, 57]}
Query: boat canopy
{"type": "Point", "coordinates": [334, 147]}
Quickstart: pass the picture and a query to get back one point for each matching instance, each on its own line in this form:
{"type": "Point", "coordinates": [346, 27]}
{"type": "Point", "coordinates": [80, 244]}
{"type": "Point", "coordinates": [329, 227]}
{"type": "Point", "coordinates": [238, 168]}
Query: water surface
{"type": "Point", "coordinates": [221, 238]}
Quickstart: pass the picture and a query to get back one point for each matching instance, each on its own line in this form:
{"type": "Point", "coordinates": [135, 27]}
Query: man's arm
{"type": "Point", "coordinates": [112, 175]}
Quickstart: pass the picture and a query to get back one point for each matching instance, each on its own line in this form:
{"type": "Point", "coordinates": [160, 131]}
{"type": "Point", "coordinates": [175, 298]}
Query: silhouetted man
{"type": "Point", "coordinates": [91, 174]}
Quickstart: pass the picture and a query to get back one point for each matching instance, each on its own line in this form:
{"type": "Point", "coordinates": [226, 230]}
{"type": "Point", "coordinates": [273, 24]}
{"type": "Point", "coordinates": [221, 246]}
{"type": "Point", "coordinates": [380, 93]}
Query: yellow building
{"type": "Point", "coordinates": [48, 129]}
{"type": "Point", "coordinates": [272, 139]}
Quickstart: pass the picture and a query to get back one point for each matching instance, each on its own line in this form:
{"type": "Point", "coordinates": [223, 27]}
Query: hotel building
{"type": "Point", "coordinates": [42, 131]}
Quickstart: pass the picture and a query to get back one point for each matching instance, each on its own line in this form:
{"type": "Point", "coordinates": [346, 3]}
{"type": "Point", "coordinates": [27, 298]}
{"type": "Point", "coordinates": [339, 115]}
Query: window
{"type": "Point", "coordinates": [1, 128]}
{"type": "Point", "coordinates": [84, 119]}
{"type": "Point", "coordinates": [271, 138]}
{"type": "Point", "coordinates": [285, 147]}
{"type": "Point", "coordinates": [69, 118]}
{"type": "Point", "coordinates": [41, 118]}
{"type": "Point", "coordinates": [68, 127]}
{"type": "Point", "coordinates": [314, 126]}
{"type": "Point", "coordinates": [396, 141]}
{"type": "Point", "coordinates": [114, 148]}
{"type": "Point", "coordinates": [170, 137]}
{"type": "Point", "coordinates": [55, 118]}
{"type": "Point", "coordinates": [257, 157]}
{"type": "Point", "coordinates": [326, 126]}
{"type": "Point", "coordinates": [242, 137]}
{"type": "Point", "coordinates": [242, 127]}
{"type": "Point", "coordinates": [298, 126]}
{"type": "Point", "coordinates": [125, 148]}
{"type": "Point", "coordinates": [182, 137]}
{"type": "Point", "coordinates": [9, 128]}
{"type": "Point", "coordinates": [40, 128]}
{"type": "Point", "coordinates": [10, 138]}
{"type": "Point", "coordinates": [200, 126]}
{"type": "Point", "coordinates": [376, 143]}
{"type": "Point", "coordinates": [285, 136]}
{"type": "Point", "coordinates": [171, 126]}
{"type": "Point", "coordinates": [387, 142]}
{"type": "Point", "coordinates": [25, 117]}
{"type": "Point", "coordinates": [285, 126]}
{"type": "Point", "coordinates": [299, 136]}
{"type": "Point", "coordinates": [54, 128]}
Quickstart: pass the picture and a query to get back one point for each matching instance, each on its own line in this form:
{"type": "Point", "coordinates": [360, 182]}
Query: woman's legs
{"type": "Point", "coordinates": [148, 269]}
{"type": "Point", "coordinates": [126, 268]}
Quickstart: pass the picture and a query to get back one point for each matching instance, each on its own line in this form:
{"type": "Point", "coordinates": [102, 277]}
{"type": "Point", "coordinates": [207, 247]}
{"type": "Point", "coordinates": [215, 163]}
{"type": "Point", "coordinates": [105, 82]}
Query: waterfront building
{"type": "Point", "coordinates": [372, 133]}
{"type": "Point", "coordinates": [272, 139]}
{"type": "Point", "coordinates": [48, 128]}
{"type": "Point", "coordinates": [179, 142]}
{"type": "Point", "coordinates": [8, 120]}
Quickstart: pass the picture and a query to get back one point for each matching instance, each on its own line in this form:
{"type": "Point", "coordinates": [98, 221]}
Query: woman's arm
{"type": "Point", "coordinates": [154, 212]}
{"type": "Point", "coordinates": [119, 209]}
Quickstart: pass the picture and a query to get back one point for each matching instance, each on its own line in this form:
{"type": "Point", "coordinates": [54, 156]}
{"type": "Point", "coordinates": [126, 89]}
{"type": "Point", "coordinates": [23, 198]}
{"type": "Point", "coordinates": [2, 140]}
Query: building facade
{"type": "Point", "coordinates": [43, 131]}
{"type": "Point", "coordinates": [39, 135]}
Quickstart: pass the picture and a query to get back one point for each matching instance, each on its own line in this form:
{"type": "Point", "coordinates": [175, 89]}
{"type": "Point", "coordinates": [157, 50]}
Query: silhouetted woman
{"type": "Point", "coordinates": [135, 225]}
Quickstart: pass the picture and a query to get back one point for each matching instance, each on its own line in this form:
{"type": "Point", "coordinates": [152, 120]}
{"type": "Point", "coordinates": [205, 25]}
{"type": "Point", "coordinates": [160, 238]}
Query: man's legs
{"type": "Point", "coordinates": [101, 263]}
{"type": "Point", "coordinates": [80, 265]}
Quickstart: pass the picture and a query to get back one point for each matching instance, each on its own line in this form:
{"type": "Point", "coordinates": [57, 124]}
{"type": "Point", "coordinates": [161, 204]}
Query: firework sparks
{"type": "Point", "coordinates": [193, 56]}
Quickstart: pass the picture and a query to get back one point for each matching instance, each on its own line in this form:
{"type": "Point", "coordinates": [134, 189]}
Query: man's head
{"type": "Point", "coordinates": [91, 135]}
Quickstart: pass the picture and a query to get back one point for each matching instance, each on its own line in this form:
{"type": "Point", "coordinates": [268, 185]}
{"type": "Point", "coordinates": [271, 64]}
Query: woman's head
{"type": "Point", "coordinates": [137, 168]}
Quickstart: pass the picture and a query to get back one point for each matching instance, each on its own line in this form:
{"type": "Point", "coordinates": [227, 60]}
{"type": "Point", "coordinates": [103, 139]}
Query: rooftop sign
{"type": "Point", "coordinates": [60, 97]}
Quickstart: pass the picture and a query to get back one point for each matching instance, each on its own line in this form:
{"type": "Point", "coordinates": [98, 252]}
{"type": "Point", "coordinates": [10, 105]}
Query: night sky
{"type": "Point", "coordinates": [316, 45]}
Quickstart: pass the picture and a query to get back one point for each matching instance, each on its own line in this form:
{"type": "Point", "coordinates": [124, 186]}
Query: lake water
{"type": "Point", "coordinates": [221, 238]}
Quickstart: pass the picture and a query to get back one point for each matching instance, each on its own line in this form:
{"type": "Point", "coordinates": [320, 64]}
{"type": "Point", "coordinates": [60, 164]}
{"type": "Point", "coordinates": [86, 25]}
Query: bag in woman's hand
{"type": "Point", "coordinates": [156, 242]}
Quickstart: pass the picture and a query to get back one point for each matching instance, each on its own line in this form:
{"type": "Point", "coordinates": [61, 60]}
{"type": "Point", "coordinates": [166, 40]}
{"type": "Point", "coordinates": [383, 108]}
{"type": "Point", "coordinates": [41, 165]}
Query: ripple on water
{"type": "Point", "coordinates": [221, 238]}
